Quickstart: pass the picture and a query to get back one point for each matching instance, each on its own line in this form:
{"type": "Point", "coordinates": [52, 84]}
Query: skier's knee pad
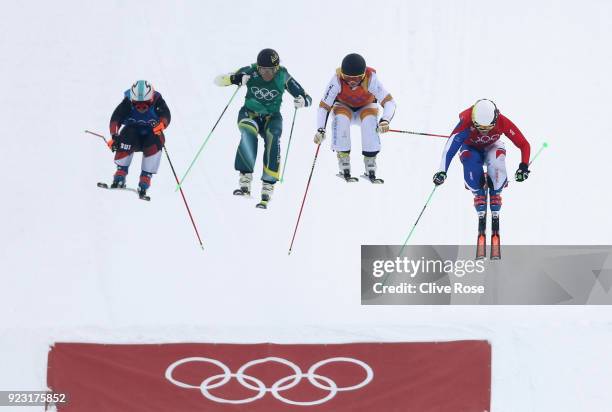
{"type": "Point", "coordinates": [371, 112]}
{"type": "Point", "coordinates": [341, 110]}
{"type": "Point", "coordinates": [248, 125]}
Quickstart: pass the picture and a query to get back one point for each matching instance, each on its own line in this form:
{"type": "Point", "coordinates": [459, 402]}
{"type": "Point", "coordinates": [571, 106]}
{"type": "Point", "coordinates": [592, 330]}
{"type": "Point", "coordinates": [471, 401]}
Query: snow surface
{"type": "Point", "coordinates": [79, 263]}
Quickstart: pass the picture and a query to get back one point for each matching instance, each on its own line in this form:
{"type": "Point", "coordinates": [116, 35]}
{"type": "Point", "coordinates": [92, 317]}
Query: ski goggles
{"type": "Point", "coordinates": [484, 128]}
{"type": "Point", "coordinates": [352, 80]}
{"type": "Point", "coordinates": [267, 71]}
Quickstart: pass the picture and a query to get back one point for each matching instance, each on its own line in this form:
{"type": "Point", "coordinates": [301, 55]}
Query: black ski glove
{"type": "Point", "coordinates": [522, 173]}
{"type": "Point", "coordinates": [439, 178]}
{"type": "Point", "coordinates": [113, 143]}
{"type": "Point", "coordinates": [239, 79]}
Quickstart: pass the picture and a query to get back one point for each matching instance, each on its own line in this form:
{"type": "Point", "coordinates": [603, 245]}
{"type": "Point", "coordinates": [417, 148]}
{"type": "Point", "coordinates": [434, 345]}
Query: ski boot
{"type": "Point", "coordinates": [144, 184]}
{"type": "Point", "coordinates": [245, 184]}
{"type": "Point", "coordinates": [119, 177]}
{"type": "Point", "coordinates": [344, 164]}
{"type": "Point", "coordinates": [370, 170]}
{"type": "Point", "coordinates": [266, 195]}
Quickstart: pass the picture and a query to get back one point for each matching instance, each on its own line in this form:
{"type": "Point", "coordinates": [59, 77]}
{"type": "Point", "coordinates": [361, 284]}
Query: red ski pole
{"type": "Point", "coordinates": [304, 199]}
{"type": "Point", "coordinates": [184, 199]}
{"type": "Point", "coordinates": [418, 133]}
{"type": "Point", "coordinates": [99, 135]}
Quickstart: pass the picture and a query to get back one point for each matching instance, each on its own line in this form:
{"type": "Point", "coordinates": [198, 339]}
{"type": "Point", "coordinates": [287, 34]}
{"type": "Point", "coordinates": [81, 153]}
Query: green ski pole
{"type": "Point", "coordinates": [417, 221]}
{"type": "Point", "coordinates": [288, 146]}
{"type": "Point", "coordinates": [180, 183]}
{"type": "Point", "coordinates": [544, 146]}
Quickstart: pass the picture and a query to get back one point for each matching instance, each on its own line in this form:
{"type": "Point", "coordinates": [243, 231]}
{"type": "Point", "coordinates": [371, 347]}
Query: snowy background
{"type": "Point", "coordinates": [83, 264]}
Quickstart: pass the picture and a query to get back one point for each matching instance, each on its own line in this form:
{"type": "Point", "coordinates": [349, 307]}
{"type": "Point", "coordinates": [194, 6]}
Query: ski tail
{"type": "Point", "coordinates": [481, 243]}
{"type": "Point", "coordinates": [481, 247]}
{"type": "Point", "coordinates": [495, 240]}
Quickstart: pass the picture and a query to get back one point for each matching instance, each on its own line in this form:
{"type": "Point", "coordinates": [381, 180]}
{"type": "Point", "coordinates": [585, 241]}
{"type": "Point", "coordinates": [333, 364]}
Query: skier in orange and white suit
{"type": "Point", "coordinates": [352, 96]}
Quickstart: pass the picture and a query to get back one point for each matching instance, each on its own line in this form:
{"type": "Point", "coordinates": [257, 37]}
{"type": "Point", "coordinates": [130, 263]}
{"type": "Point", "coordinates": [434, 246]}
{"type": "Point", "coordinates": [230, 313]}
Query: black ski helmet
{"type": "Point", "coordinates": [353, 65]}
{"type": "Point", "coordinates": [268, 58]}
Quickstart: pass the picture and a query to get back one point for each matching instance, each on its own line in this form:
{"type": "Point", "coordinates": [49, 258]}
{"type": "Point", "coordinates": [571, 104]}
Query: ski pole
{"type": "Point", "coordinates": [99, 135]}
{"type": "Point", "coordinates": [304, 199]}
{"type": "Point", "coordinates": [184, 199]}
{"type": "Point", "coordinates": [417, 221]}
{"type": "Point", "coordinates": [418, 133]}
{"type": "Point", "coordinates": [288, 146]}
{"type": "Point", "coordinates": [544, 146]}
{"type": "Point", "coordinates": [179, 183]}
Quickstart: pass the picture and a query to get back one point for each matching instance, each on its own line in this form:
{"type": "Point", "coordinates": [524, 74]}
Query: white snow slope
{"type": "Point", "coordinates": [79, 263]}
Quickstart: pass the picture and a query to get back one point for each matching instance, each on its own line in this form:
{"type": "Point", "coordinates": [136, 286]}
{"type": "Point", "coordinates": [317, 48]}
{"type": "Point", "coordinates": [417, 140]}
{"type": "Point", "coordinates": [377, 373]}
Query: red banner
{"type": "Point", "coordinates": [361, 377]}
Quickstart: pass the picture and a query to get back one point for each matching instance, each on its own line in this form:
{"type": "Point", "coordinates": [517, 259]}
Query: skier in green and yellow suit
{"type": "Point", "coordinates": [266, 82]}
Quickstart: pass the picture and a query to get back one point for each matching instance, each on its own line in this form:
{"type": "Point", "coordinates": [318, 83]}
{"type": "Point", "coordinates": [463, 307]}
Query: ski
{"type": "Point", "coordinates": [374, 180]}
{"type": "Point", "coordinates": [481, 245]}
{"type": "Point", "coordinates": [262, 205]}
{"type": "Point", "coordinates": [495, 241]}
{"type": "Point", "coordinates": [347, 178]}
{"type": "Point", "coordinates": [143, 196]}
{"type": "Point", "coordinates": [103, 185]}
{"type": "Point", "coordinates": [241, 192]}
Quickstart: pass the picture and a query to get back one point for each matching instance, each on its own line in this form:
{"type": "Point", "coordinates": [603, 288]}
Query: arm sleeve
{"type": "Point", "coordinates": [295, 89]}
{"type": "Point", "coordinates": [458, 136]}
{"type": "Point", "coordinates": [325, 106]}
{"type": "Point", "coordinates": [119, 114]}
{"type": "Point", "coordinates": [162, 110]}
{"type": "Point", "coordinates": [516, 137]}
{"type": "Point", "coordinates": [386, 100]}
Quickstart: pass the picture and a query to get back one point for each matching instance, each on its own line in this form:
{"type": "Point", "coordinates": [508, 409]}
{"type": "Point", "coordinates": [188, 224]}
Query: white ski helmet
{"type": "Point", "coordinates": [141, 91]}
{"type": "Point", "coordinates": [484, 114]}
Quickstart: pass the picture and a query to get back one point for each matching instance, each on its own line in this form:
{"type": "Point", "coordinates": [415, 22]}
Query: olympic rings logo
{"type": "Point", "coordinates": [282, 384]}
{"type": "Point", "coordinates": [263, 93]}
{"type": "Point", "coordinates": [485, 139]}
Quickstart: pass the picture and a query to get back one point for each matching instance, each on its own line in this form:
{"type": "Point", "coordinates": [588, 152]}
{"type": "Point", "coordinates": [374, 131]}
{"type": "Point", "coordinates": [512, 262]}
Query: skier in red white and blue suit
{"type": "Point", "coordinates": [137, 125]}
{"type": "Point", "coordinates": [477, 138]}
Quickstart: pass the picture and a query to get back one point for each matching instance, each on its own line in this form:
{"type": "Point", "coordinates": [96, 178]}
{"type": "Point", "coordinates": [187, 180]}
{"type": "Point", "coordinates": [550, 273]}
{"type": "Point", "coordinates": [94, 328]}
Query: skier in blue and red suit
{"type": "Point", "coordinates": [477, 138]}
{"type": "Point", "coordinates": [144, 115]}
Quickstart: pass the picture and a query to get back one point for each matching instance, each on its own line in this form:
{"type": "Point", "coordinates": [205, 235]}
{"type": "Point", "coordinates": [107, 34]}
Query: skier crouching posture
{"type": "Point", "coordinates": [266, 82]}
{"type": "Point", "coordinates": [352, 96]}
{"type": "Point", "coordinates": [144, 115]}
{"type": "Point", "coordinates": [477, 138]}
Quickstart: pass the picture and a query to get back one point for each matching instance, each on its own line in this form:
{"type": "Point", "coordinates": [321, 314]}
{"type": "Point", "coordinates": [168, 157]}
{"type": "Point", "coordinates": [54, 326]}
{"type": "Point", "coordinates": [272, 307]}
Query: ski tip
{"type": "Point", "coordinates": [545, 144]}
{"type": "Point", "coordinates": [289, 253]}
